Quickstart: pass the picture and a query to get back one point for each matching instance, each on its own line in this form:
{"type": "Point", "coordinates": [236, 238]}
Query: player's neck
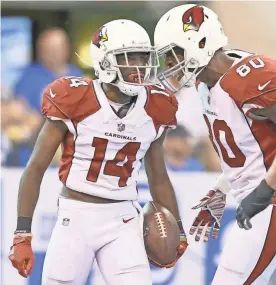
{"type": "Point", "coordinates": [114, 94]}
{"type": "Point", "coordinates": [216, 68]}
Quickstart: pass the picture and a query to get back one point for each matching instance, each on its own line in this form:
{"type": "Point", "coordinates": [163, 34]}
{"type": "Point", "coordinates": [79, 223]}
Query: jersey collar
{"type": "Point", "coordinates": [136, 117]}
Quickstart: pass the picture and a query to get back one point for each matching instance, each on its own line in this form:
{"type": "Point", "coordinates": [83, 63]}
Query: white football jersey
{"type": "Point", "coordinates": [245, 144]}
{"type": "Point", "coordinates": [101, 153]}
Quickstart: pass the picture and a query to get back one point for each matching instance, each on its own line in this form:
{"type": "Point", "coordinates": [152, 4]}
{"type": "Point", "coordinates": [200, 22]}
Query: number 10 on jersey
{"type": "Point", "coordinates": [238, 159]}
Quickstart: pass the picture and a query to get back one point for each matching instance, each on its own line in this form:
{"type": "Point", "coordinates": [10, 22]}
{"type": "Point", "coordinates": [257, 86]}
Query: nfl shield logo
{"type": "Point", "coordinates": [121, 127]}
{"type": "Point", "coordinates": [65, 222]}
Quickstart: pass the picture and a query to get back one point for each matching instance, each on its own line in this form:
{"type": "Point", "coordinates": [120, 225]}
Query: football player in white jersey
{"type": "Point", "coordinates": [239, 108]}
{"type": "Point", "coordinates": [106, 128]}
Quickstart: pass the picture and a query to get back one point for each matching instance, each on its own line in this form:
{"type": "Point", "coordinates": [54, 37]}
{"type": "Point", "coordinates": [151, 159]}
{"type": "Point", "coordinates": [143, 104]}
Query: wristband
{"type": "Point", "coordinates": [182, 232]}
{"type": "Point", "coordinates": [24, 225]}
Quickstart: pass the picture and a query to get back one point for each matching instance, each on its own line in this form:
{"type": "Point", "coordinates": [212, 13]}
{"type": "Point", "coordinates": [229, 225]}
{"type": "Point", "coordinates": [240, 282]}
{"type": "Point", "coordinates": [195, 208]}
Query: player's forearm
{"type": "Point", "coordinates": [271, 175]}
{"type": "Point", "coordinates": [161, 188]}
{"type": "Point", "coordinates": [164, 194]}
{"type": "Point", "coordinates": [28, 192]}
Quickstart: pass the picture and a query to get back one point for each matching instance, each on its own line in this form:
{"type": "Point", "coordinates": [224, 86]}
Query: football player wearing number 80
{"type": "Point", "coordinates": [106, 128]}
{"type": "Point", "coordinates": [238, 94]}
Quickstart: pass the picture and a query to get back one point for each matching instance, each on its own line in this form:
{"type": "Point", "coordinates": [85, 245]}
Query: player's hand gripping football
{"type": "Point", "coordinates": [212, 208]}
{"type": "Point", "coordinates": [21, 255]}
{"type": "Point", "coordinates": [180, 250]}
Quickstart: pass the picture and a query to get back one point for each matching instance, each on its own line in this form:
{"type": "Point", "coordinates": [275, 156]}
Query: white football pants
{"type": "Point", "coordinates": [110, 233]}
{"type": "Point", "coordinates": [249, 256]}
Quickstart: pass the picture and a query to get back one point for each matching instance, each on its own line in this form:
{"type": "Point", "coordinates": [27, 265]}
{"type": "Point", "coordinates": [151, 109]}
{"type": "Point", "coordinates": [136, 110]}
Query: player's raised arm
{"type": "Point", "coordinates": [161, 188]}
{"type": "Point", "coordinates": [49, 139]}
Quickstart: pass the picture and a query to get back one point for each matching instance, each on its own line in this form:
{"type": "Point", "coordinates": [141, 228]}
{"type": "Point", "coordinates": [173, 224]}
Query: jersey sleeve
{"type": "Point", "coordinates": [68, 98]}
{"type": "Point", "coordinates": [161, 107]}
{"type": "Point", "coordinates": [55, 103]}
{"type": "Point", "coordinates": [252, 82]}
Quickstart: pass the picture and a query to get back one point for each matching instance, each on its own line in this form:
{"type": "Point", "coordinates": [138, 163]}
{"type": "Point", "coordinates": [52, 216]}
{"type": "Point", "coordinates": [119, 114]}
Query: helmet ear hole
{"type": "Point", "coordinates": [104, 64]}
{"type": "Point", "coordinates": [202, 43]}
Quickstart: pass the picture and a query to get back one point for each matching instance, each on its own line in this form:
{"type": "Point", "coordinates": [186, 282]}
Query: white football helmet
{"type": "Point", "coordinates": [124, 38]}
{"type": "Point", "coordinates": [197, 30]}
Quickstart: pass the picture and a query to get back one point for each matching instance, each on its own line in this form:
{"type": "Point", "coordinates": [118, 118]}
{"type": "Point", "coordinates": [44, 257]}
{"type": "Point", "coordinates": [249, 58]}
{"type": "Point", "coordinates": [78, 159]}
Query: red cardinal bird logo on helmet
{"type": "Point", "coordinates": [100, 37]}
{"type": "Point", "coordinates": [193, 18]}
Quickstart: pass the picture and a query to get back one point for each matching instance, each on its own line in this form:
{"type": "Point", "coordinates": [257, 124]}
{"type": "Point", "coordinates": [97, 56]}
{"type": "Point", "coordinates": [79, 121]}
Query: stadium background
{"type": "Point", "coordinates": [249, 25]}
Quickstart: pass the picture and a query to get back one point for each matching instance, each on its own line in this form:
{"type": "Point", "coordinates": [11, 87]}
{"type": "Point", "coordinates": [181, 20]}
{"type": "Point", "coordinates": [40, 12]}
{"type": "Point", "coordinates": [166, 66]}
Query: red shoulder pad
{"type": "Point", "coordinates": [161, 106]}
{"type": "Point", "coordinates": [252, 80]}
{"type": "Point", "coordinates": [69, 98]}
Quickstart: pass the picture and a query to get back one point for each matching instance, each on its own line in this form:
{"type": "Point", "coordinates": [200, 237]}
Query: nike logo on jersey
{"type": "Point", "coordinates": [53, 95]}
{"type": "Point", "coordinates": [127, 220]}
{"type": "Point", "coordinates": [262, 87]}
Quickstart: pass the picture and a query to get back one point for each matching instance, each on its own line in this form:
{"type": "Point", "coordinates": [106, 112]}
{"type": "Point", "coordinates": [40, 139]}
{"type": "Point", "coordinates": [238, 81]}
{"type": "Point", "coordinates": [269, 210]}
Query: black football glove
{"type": "Point", "coordinates": [257, 201]}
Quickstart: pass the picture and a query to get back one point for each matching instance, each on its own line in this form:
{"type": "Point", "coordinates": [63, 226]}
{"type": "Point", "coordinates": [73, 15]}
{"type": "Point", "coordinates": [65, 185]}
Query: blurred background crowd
{"type": "Point", "coordinates": [38, 44]}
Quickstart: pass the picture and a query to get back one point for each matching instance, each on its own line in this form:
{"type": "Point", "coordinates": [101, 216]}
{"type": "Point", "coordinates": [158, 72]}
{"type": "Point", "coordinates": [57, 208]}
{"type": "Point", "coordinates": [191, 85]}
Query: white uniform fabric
{"type": "Point", "coordinates": [139, 129]}
{"type": "Point", "coordinates": [246, 178]}
{"type": "Point", "coordinates": [245, 251]}
{"type": "Point", "coordinates": [86, 232]}
{"type": "Point", "coordinates": [103, 153]}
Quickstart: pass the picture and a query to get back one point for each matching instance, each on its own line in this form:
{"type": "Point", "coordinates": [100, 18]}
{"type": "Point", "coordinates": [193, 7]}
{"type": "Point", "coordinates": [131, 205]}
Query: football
{"type": "Point", "coordinates": [161, 233]}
